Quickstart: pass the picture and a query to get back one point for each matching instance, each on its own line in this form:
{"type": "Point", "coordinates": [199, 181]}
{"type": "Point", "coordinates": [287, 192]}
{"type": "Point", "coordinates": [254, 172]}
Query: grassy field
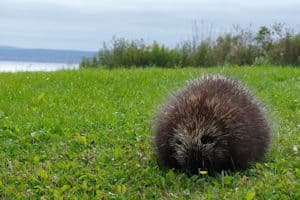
{"type": "Point", "coordinates": [87, 134]}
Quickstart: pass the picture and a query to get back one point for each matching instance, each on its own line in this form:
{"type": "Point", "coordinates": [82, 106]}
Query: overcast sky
{"type": "Point", "coordinates": [85, 24]}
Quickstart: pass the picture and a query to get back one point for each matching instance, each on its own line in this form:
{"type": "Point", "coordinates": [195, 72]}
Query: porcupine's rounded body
{"type": "Point", "coordinates": [212, 124]}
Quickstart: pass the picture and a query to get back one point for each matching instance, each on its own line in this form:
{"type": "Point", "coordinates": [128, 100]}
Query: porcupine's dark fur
{"type": "Point", "coordinates": [212, 124]}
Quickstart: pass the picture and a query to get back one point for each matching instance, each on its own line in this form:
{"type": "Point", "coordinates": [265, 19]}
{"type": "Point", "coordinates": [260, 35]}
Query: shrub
{"type": "Point", "coordinates": [269, 45]}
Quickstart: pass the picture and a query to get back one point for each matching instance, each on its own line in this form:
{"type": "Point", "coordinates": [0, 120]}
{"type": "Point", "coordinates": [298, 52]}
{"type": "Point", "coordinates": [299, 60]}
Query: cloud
{"type": "Point", "coordinates": [97, 6]}
{"type": "Point", "coordinates": [84, 24]}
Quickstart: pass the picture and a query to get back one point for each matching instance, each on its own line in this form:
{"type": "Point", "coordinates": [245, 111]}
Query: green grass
{"type": "Point", "coordinates": [87, 133]}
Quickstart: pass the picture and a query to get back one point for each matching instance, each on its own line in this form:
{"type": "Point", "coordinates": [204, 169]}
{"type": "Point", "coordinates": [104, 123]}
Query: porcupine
{"type": "Point", "coordinates": [212, 124]}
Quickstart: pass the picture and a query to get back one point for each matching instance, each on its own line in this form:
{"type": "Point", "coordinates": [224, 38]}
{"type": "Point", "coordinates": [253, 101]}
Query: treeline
{"type": "Point", "coordinates": [269, 45]}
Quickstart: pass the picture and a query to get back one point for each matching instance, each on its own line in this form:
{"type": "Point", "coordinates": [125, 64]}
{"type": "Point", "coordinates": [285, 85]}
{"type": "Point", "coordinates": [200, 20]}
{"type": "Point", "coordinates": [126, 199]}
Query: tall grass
{"type": "Point", "coordinates": [269, 45]}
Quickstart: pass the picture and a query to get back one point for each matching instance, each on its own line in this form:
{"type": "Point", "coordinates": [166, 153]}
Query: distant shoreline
{"type": "Point", "coordinates": [25, 66]}
{"type": "Point", "coordinates": [43, 55]}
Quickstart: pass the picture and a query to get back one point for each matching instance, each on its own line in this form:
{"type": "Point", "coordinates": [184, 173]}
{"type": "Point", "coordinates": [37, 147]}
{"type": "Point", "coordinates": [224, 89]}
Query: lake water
{"type": "Point", "coordinates": [12, 66]}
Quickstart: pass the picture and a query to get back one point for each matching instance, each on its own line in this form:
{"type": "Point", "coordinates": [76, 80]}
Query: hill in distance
{"type": "Point", "coordinates": [8, 53]}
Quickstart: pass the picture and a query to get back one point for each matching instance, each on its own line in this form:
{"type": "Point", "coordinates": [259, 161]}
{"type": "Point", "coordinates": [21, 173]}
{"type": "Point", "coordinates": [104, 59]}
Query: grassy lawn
{"type": "Point", "coordinates": [88, 133]}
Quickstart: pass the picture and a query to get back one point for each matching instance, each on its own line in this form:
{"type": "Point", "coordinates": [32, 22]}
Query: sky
{"type": "Point", "coordinates": [86, 24]}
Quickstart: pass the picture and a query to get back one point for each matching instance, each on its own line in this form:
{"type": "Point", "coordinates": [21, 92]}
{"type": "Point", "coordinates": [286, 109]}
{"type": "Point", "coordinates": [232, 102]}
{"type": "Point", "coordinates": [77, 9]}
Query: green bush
{"type": "Point", "coordinates": [269, 45]}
